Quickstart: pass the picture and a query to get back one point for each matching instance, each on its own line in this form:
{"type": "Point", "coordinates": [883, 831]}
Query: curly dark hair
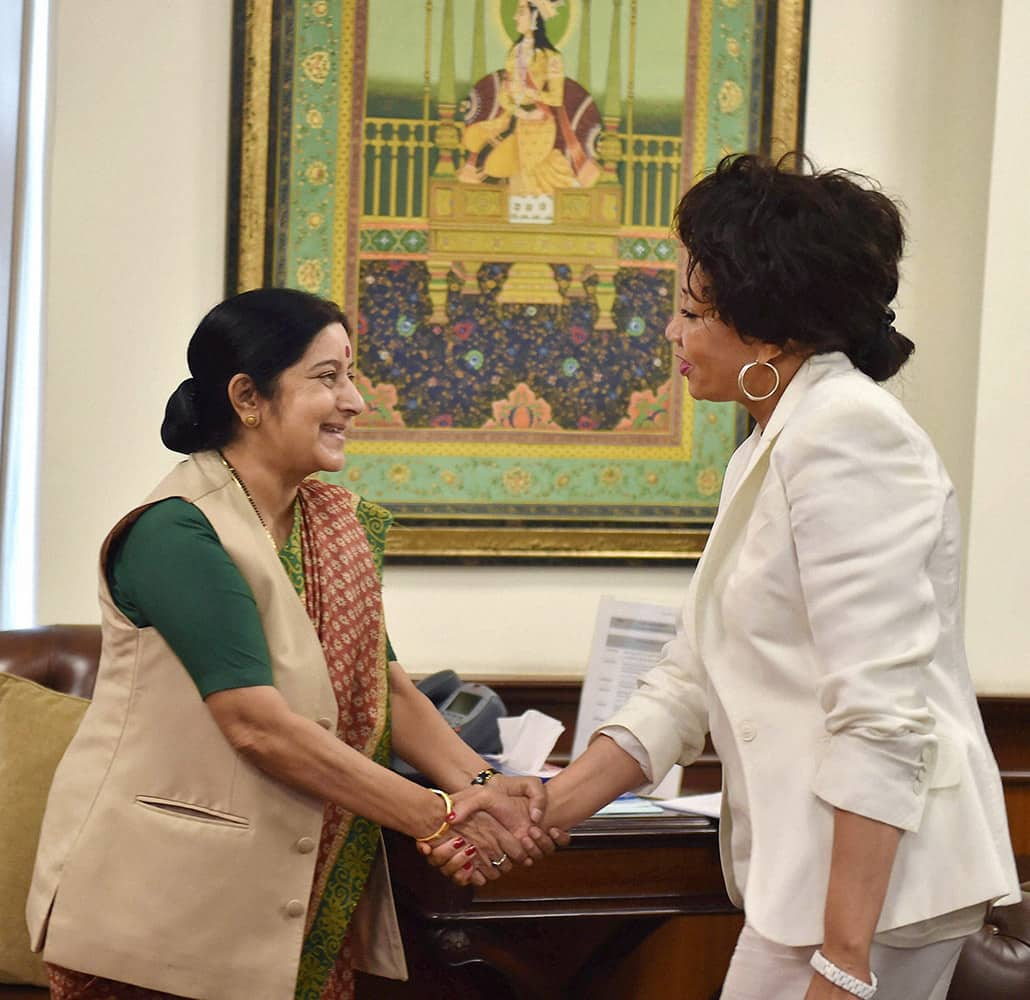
{"type": "Point", "coordinates": [806, 261]}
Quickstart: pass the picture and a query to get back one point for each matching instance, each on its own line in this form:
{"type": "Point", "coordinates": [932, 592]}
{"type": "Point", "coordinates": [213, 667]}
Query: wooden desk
{"type": "Point", "coordinates": [561, 928]}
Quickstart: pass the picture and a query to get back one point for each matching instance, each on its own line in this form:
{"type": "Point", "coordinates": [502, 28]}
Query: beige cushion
{"type": "Point", "coordinates": [36, 725]}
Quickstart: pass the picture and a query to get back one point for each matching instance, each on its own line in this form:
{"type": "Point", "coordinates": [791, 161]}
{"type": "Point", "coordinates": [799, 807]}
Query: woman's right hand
{"type": "Point", "coordinates": [494, 823]}
{"type": "Point", "coordinates": [497, 822]}
{"type": "Point", "coordinates": [448, 854]}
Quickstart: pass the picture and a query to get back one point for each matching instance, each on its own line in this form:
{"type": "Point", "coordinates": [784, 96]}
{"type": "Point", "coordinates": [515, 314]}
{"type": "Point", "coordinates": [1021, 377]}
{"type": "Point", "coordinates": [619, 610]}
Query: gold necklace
{"type": "Point", "coordinates": [243, 486]}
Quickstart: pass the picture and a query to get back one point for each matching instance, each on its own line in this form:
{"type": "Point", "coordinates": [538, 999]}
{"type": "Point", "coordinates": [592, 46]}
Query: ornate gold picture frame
{"type": "Point", "coordinates": [486, 187]}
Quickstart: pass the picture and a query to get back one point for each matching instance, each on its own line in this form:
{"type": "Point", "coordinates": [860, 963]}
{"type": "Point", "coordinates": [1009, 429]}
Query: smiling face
{"type": "Point", "coordinates": [305, 423]}
{"type": "Point", "coordinates": [709, 352]}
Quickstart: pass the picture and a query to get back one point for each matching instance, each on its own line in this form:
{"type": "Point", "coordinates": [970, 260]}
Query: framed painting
{"type": "Point", "coordinates": [486, 187]}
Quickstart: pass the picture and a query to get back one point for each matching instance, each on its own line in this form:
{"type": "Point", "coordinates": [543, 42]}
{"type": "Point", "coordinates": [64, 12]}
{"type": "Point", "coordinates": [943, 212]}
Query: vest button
{"type": "Point", "coordinates": [325, 723]}
{"type": "Point", "coordinates": [305, 845]}
{"type": "Point", "coordinates": [295, 908]}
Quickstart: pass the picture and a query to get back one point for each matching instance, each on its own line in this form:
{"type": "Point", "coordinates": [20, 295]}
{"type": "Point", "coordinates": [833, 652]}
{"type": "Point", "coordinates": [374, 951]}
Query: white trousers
{"type": "Point", "coordinates": [763, 970]}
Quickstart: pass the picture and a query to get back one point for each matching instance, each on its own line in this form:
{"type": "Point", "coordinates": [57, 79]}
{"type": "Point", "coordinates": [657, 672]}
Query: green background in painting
{"type": "Point", "coordinates": [398, 26]}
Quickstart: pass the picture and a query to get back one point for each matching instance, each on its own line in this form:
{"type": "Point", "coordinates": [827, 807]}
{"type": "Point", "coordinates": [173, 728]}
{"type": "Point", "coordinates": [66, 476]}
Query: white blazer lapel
{"type": "Point", "coordinates": [726, 534]}
{"type": "Point", "coordinates": [735, 507]}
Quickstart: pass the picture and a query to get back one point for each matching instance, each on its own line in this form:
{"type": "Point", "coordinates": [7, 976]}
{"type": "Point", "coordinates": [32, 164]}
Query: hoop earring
{"type": "Point", "coordinates": [251, 420]}
{"type": "Point", "coordinates": [760, 364]}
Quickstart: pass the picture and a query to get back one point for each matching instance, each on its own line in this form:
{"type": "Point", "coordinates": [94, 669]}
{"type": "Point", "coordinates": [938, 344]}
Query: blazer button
{"type": "Point", "coordinates": [295, 908]}
{"type": "Point", "coordinates": [305, 845]}
{"type": "Point", "coordinates": [748, 731]}
{"type": "Point", "coordinates": [325, 723]}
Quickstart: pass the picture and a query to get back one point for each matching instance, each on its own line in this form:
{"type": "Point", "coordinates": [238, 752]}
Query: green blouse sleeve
{"type": "Point", "coordinates": [376, 522]}
{"type": "Point", "coordinates": [170, 571]}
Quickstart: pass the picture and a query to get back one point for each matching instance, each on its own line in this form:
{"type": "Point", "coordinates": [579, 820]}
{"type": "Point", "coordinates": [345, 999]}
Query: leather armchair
{"type": "Point", "coordinates": [61, 657]}
{"type": "Point", "coordinates": [995, 962]}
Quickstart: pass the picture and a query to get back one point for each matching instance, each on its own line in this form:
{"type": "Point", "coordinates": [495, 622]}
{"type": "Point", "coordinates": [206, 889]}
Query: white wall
{"type": "Point", "coordinates": [911, 93]}
{"type": "Point", "coordinates": [901, 89]}
{"type": "Point", "coordinates": [998, 582]}
{"type": "Point", "coordinates": [137, 254]}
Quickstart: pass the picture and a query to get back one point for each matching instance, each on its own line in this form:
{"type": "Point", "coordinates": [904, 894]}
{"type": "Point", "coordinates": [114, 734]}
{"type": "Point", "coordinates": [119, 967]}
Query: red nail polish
{"type": "Point", "coordinates": [467, 867]}
{"type": "Point", "coordinates": [451, 816]}
{"type": "Point", "coordinates": [470, 850]}
{"type": "Point", "coordinates": [460, 842]}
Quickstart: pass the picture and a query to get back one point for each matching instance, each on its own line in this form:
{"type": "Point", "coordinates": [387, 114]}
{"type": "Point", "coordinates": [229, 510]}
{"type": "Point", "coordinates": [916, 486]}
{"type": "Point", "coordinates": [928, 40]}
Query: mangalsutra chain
{"type": "Point", "coordinates": [243, 486]}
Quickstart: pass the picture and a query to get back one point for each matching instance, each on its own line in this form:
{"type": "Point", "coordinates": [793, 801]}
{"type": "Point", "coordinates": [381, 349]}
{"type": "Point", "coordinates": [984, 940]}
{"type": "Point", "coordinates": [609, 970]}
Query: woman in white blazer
{"type": "Point", "coordinates": [863, 824]}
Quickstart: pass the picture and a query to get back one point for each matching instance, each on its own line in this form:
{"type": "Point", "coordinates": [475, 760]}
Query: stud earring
{"type": "Point", "coordinates": [251, 420]}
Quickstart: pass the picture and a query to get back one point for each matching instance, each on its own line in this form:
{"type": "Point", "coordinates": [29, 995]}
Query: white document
{"type": "Point", "coordinates": [628, 640]}
{"type": "Point", "coordinates": [706, 804]}
{"type": "Point", "coordinates": [630, 805]}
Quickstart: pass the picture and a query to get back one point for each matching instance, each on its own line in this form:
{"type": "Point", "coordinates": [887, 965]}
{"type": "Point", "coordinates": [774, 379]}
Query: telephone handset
{"type": "Point", "coordinates": [437, 687]}
{"type": "Point", "coordinates": [471, 710]}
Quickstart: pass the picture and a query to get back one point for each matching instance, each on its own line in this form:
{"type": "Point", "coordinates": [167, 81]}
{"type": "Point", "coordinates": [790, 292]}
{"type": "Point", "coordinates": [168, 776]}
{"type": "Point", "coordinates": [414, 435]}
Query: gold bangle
{"type": "Point", "coordinates": [446, 824]}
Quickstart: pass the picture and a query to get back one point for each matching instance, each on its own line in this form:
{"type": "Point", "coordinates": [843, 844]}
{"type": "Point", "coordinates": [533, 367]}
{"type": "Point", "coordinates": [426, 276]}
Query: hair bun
{"type": "Point", "coordinates": [884, 352]}
{"type": "Point", "coordinates": [180, 429]}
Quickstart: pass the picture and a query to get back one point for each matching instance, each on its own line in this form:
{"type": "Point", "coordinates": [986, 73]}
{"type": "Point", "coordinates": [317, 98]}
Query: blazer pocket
{"type": "Point", "coordinates": [193, 812]}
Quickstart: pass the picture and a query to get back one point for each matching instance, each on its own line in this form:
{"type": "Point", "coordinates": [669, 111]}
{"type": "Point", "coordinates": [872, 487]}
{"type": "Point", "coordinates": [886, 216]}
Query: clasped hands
{"type": "Point", "coordinates": [495, 827]}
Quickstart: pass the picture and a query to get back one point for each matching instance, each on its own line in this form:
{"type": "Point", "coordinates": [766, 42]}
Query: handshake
{"type": "Point", "coordinates": [490, 827]}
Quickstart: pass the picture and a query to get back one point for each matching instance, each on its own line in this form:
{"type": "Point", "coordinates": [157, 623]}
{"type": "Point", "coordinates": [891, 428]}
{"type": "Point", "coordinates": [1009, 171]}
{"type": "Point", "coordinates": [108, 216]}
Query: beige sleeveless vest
{"type": "Point", "coordinates": [165, 858]}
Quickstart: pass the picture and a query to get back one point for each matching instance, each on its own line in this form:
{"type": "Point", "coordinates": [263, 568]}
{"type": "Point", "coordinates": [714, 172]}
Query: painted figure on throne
{"type": "Point", "coordinates": [529, 124]}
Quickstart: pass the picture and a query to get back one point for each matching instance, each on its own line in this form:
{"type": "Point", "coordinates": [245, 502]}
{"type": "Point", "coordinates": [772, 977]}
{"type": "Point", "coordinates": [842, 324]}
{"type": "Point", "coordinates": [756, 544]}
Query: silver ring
{"type": "Point", "coordinates": [500, 861]}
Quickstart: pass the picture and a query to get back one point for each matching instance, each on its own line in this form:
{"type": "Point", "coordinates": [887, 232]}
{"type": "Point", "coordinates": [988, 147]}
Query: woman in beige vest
{"type": "Point", "coordinates": [213, 829]}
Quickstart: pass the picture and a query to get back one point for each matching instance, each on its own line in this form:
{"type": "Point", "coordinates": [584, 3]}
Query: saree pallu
{"type": "Point", "coordinates": [333, 558]}
{"type": "Point", "coordinates": [341, 540]}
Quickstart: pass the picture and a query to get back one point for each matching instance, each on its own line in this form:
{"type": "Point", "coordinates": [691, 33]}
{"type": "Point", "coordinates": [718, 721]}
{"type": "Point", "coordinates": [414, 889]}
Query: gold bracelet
{"type": "Point", "coordinates": [446, 824]}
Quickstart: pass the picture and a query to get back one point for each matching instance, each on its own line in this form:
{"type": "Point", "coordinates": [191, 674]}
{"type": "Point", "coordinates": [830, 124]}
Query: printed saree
{"type": "Point", "coordinates": [334, 560]}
